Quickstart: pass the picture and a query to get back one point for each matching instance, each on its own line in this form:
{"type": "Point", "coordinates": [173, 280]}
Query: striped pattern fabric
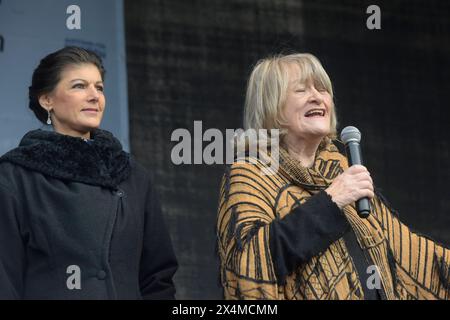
{"type": "Point", "coordinates": [410, 265]}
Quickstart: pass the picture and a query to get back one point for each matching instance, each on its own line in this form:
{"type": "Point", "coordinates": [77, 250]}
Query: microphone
{"type": "Point", "coordinates": [351, 138]}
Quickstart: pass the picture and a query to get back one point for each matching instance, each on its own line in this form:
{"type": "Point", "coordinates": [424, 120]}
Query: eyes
{"type": "Point", "coordinates": [83, 86]}
{"type": "Point", "coordinates": [303, 89]}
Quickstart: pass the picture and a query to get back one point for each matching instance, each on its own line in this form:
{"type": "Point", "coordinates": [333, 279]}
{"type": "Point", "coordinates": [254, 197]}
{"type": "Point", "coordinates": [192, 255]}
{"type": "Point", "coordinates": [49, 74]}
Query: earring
{"type": "Point", "coordinates": [49, 120]}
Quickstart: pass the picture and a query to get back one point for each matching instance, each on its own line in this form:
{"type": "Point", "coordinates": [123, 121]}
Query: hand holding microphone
{"type": "Point", "coordinates": [355, 183]}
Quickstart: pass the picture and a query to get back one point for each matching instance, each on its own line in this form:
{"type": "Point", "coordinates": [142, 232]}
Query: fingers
{"type": "Point", "coordinates": [353, 184]}
{"type": "Point", "coordinates": [362, 193]}
{"type": "Point", "coordinates": [357, 168]}
{"type": "Point", "coordinates": [360, 172]}
{"type": "Point", "coordinates": [363, 176]}
{"type": "Point", "coordinates": [366, 185]}
{"type": "Point", "coordinates": [362, 181]}
{"type": "Point", "coordinates": [367, 193]}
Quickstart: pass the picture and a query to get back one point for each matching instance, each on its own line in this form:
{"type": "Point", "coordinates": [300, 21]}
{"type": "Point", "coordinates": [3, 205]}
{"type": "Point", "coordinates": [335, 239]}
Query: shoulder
{"type": "Point", "coordinates": [140, 175]}
{"type": "Point", "coordinates": [260, 162]}
{"type": "Point", "coordinates": [254, 175]}
{"type": "Point", "coordinates": [255, 168]}
{"type": "Point", "coordinates": [10, 173]}
{"type": "Point", "coordinates": [137, 167]}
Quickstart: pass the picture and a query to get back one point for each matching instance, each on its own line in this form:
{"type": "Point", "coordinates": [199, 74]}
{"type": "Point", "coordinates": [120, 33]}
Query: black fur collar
{"type": "Point", "coordinates": [100, 161]}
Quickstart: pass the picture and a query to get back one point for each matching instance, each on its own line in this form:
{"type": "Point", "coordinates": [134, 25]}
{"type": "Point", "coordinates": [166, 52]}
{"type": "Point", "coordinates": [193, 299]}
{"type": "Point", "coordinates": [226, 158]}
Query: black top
{"type": "Point", "coordinates": [361, 265]}
{"type": "Point", "coordinates": [71, 210]}
{"type": "Point", "coordinates": [309, 230]}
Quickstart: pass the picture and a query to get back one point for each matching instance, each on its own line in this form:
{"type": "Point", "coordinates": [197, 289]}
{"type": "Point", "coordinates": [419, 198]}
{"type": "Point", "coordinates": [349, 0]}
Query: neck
{"type": "Point", "coordinates": [71, 132]}
{"type": "Point", "coordinates": [303, 150]}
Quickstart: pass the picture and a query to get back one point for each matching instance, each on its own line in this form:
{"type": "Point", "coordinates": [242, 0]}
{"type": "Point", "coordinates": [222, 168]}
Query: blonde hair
{"type": "Point", "coordinates": [268, 85]}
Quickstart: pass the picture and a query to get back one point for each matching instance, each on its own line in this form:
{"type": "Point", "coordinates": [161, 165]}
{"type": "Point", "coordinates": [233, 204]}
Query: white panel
{"type": "Point", "coordinates": [30, 30]}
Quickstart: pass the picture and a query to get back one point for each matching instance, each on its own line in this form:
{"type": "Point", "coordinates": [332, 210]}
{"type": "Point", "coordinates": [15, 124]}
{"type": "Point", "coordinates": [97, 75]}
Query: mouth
{"type": "Point", "coordinates": [316, 112]}
{"type": "Point", "coordinates": [90, 110]}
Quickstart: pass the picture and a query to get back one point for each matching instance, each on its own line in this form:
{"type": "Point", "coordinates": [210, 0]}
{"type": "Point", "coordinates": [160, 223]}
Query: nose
{"type": "Point", "coordinates": [93, 94]}
{"type": "Point", "coordinates": [315, 95]}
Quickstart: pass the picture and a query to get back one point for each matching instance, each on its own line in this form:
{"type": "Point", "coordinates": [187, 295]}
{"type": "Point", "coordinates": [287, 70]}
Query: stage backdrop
{"type": "Point", "coordinates": [31, 29]}
{"type": "Point", "coordinates": [192, 60]}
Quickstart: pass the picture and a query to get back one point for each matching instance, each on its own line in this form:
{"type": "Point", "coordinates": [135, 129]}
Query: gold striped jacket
{"type": "Point", "coordinates": [410, 266]}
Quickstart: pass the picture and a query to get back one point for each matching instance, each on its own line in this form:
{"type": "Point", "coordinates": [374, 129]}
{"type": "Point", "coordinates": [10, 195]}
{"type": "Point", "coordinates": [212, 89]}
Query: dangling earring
{"type": "Point", "coordinates": [49, 120]}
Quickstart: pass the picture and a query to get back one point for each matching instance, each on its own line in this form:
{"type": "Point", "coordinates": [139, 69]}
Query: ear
{"type": "Point", "coordinates": [46, 101]}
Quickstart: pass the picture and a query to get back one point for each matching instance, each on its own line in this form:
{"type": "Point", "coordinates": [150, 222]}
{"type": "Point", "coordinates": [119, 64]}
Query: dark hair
{"type": "Point", "coordinates": [48, 74]}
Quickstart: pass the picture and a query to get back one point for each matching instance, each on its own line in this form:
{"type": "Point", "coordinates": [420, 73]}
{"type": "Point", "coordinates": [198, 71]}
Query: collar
{"type": "Point", "coordinates": [100, 162]}
{"type": "Point", "coordinates": [329, 163]}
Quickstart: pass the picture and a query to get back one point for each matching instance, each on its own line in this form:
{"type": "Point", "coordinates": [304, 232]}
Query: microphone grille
{"type": "Point", "coordinates": [349, 134]}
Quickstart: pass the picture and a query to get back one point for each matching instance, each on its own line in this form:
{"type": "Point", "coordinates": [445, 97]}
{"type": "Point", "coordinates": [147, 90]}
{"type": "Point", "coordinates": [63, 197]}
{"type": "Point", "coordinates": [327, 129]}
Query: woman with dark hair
{"type": "Point", "coordinates": [79, 218]}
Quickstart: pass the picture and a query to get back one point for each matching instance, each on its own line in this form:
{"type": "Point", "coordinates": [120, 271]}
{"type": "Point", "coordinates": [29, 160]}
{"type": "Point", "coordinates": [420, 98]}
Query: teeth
{"type": "Point", "coordinates": [315, 112]}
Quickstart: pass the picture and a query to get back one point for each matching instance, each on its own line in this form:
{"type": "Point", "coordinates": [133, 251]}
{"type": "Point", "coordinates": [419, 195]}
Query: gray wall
{"type": "Point", "coordinates": [189, 60]}
{"type": "Point", "coordinates": [32, 29]}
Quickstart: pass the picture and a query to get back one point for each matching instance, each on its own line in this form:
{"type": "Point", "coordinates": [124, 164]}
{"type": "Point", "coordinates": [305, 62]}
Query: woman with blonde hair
{"type": "Point", "coordinates": [295, 234]}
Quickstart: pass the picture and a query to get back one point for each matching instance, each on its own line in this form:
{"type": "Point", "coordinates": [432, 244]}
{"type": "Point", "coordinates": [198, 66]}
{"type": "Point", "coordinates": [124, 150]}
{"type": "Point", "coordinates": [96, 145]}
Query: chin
{"type": "Point", "coordinates": [88, 126]}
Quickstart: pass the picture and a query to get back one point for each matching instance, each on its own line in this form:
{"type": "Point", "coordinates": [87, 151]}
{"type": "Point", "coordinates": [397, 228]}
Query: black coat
{"type": "Point", "coordinates": [67, 204]}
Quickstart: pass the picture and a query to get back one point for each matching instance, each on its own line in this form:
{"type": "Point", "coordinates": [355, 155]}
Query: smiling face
{"type": "Point", "coordinates": [307, 109]}
{"type": "Point", "coordinates": [77, 102]}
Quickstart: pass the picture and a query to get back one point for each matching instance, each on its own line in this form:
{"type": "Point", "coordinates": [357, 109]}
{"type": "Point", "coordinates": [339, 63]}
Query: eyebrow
{"type": "Point", "coordinates": [298, 82]}
{"type": "Point", "coordinates": [305, 82]}
{"type": "Point", "coordinates": [85, 81]}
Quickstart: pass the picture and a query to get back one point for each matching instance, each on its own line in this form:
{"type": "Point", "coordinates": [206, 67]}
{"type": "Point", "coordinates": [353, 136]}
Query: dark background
{"type": "Point", "coordinates": [189, 60]}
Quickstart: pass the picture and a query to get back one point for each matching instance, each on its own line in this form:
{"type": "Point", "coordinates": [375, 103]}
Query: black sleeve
{"type": "Point", "coordinates": [12, 251]}
{"type": "Point", "coordinates": [307, 231]}
{"type": "Point", "coordinates": [158, 261]}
